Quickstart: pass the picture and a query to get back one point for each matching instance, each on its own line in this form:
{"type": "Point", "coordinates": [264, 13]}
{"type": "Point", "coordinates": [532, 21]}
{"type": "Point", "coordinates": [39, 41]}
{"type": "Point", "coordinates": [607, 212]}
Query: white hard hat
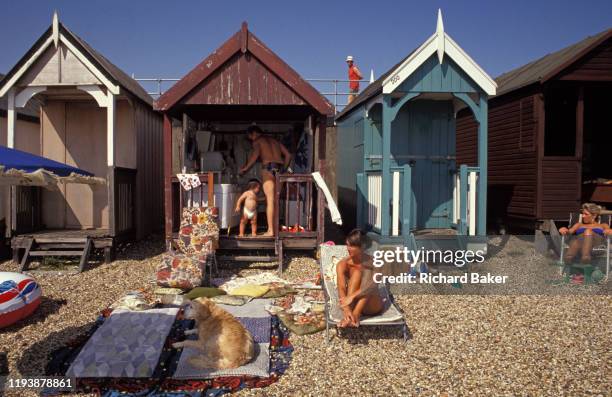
{"type": "Point", "coordinates": [349, 58]}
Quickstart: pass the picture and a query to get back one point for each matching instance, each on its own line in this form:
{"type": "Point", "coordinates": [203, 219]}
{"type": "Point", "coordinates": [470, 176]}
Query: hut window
{"type": "Point", "coordinates": [560, 124]}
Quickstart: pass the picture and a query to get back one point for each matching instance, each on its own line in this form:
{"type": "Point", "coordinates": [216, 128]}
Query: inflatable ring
{"type": "Point", "coordinates": [19, 297]}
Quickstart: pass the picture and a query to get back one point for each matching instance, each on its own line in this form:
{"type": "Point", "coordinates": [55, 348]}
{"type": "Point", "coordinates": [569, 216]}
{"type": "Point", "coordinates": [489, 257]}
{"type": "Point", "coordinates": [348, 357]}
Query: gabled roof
{"type": "Point", "coordinates": [442, 44]}
{"type": "Point", "coordinates": [439, 43]}
{"type": "Point", "coordinates": [242, 42]}
{"type": "Point", "coordinates": [56, 31]}
{"type": "Point", "coordinates": [550, 65]}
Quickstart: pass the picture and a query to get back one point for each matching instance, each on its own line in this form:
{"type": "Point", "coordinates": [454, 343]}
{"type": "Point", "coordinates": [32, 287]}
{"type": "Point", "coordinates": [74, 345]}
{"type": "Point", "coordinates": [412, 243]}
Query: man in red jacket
{"type": "Point", "coordinates": [354, 75]}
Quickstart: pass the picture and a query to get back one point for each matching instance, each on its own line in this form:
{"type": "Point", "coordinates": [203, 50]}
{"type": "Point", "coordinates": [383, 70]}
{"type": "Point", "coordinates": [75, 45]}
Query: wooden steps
{"type": "Point", "coordinates": [50, 247]}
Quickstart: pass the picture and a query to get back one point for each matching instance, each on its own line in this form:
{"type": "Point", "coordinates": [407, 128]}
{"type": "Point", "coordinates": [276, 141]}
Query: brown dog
{"type": "Point", "coordinates": [224, 342]}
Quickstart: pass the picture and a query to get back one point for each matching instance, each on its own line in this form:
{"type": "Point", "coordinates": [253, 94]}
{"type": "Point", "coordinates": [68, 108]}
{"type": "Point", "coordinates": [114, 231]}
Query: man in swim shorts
{"type": "Point", "coordinates": [274, 159]}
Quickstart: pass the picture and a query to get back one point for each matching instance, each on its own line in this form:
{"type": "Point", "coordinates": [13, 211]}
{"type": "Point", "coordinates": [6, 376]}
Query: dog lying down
{"type": "Point", "coordinates": [223, 341]}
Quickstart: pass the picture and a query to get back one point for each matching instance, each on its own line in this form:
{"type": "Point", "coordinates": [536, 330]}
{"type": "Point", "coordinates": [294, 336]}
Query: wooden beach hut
{"type": "Point", "coordinates": [549, 135]}
{"type": "Point", "coordinates": [206, 115]}
{"type": "Point", "coordinates": [27, 127]}
{"type": "Point", "coordinates": [396, 144]}
{"type": "Point", "coordinates": [95, 117]}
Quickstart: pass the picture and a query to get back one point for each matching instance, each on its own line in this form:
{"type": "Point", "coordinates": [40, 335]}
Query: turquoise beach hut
{"type": "Point", "coordinates": [397, 169]}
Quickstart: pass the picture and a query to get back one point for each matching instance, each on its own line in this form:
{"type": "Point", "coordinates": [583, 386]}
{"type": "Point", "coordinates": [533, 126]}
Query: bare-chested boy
{"type": "Point", "coordinates": [274, 158]}
{"type": "Point", "coordinates": [249, 212]}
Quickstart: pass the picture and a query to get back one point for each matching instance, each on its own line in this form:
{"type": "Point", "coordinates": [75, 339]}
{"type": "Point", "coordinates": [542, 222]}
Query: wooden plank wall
{"type": "Point", "coordinates": [243, 80]}
{"type": "Point", "coordinates": [559, 198]}
{"type": "Point", "coordinates": [512, 153]}
{"type": "Point", "coordinates": [149, 183]}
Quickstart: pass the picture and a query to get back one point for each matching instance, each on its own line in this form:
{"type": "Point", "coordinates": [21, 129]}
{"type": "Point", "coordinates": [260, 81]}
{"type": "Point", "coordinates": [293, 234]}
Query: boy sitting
{"type": "Point", "coordinates": [249, 212]}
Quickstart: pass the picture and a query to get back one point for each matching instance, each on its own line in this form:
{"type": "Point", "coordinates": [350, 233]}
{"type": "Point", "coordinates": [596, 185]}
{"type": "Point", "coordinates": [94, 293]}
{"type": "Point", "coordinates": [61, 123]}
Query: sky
{"type": "Point", "coordinates": [168, 38]}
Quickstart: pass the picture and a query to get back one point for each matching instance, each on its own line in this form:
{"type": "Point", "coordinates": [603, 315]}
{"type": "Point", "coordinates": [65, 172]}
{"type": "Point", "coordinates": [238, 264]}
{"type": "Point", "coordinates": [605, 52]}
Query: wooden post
{"type": "Point", "coordinates": [110, 160]}
{"type": "Point", "coordinates": [386, 165]}
{"type": "Point", "coordinates": [321, 145]}
{"type": "Point", "coordinates": [463, 187]}
{"type": "Point", "coordinates": [11, 218]}
{"type": "Point", "coordinates": [211, 191]}
{"type": "Point", "coordinates": [482, 165]}
{"type": "Point", "coordinates": [168, 213]}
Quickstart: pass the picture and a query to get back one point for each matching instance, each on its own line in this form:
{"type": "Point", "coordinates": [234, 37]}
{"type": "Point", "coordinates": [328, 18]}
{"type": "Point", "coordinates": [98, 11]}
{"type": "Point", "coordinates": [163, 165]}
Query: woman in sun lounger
{"type": "Point", "coordinates": [357, 291]}
{"type": "Point", "coordinates": [586, 231]}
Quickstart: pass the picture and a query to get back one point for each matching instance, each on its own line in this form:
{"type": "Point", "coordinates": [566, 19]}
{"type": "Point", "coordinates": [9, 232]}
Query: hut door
{"type": "Point", "coordinates": [430, 150]}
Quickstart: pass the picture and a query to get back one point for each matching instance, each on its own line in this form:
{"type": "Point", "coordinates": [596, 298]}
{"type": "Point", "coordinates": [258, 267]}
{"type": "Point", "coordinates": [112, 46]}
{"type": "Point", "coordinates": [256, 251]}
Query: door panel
{"type": "Point", "coordinates": [428, 142]}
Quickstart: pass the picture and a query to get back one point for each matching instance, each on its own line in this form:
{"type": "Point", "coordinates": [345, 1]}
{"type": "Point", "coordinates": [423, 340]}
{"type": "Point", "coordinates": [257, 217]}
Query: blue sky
{"type": "Point", "coordinates": [166, 39]}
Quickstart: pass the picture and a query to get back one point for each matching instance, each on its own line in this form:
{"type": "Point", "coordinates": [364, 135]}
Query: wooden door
{"type": "Point", "coordinates": [428, 143]}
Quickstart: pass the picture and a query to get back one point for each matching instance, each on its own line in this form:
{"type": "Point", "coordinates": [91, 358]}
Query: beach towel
{"type": "Point", "coordinates": [258, 322]}
{"type": "Point", "coordinates": [127, 345]}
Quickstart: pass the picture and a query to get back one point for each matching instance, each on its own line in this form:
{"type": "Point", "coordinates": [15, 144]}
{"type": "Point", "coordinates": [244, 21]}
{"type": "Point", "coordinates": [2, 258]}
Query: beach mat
{"type": "Point", "coordinates": [258, 322]}
{"type": "Point", "coordinates": [127, 345]}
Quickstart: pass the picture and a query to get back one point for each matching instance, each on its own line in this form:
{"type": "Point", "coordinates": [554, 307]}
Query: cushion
{"type": "Point", "coordinates": [199, 231]}
{"type": "Point", "coordinates": [206, 292]}
{"type": "Point", "coordinates": [181, 271]}
{"type": "Point", "coordinates": [251, 290]}
{"type": "Point", "coordinates": [232, 300]}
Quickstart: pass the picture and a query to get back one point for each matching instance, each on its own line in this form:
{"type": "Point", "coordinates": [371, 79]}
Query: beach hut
{"type": "Point", "coordinates": [94, 117]}
{"type": "Point", "coordinates": [396, 144]}
{"type": "Point", "coordinates": [549, 135]}
{"type": "Point", "coordinates": [206, 115]}
{"type": "Point", "coordinates": [27, 127]}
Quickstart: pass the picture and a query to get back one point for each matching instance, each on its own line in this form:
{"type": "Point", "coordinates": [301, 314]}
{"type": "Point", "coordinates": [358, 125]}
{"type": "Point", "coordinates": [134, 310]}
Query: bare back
{"type": "Point", "coordinates": [269, 150]}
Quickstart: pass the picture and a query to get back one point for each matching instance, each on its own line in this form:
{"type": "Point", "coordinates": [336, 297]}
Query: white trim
{"type": "Point", "coordinates": [11, 118]}
{"type": "Point", "coordinates": [97, 93]}
{"type": "Point", "coordinates": [9, 84]}
{"type": "Point", "coordinates": [441, 43]}
{"type": "Point", "coordinates": [96, 72]}
{"type": "Point", "coordinates": [26, 94]}
{"type": "Point", "coordinates": [55, 29]}
{"type": "Point", "coordinates": [110, 129]}
{"type": "Point", "coordinates": [396, 201]}
{"type": "Point", "coordinates": [373, 101]}
{"type": "Point", "coordinates": [472, 181]}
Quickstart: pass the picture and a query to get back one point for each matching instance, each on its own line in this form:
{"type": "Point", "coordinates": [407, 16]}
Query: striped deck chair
{"type": "Point", "coordinates": [392, 315]}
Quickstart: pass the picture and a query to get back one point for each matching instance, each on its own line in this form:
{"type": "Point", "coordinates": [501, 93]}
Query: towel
{"type": "Point", "coordinates": [333, 208]}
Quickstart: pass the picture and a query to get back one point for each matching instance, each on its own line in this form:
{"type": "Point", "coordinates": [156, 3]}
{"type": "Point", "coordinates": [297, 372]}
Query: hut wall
{"type": "Point", "coordinates": [349, 162]}
{"type": "Point", "coordinates": [512, 153]}
{"type": "Point", "coordinates": [149, 177]}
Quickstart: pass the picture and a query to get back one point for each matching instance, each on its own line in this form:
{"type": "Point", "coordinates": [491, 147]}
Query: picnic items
{"type": "Point", "coordinates": [19, 297]}
{"type": "Point", "coordinates": [301, 313]}
{"type": "Point", "coordinates": [228, 284]}
{"type": "Point", "coordinates": [232, 300]}
{"type": "Point", "coordinates": [133, 301]}
{"type": "Point", "coordinates": [251, 290]}
{"type": "Point", "coordinates": [197, 242]}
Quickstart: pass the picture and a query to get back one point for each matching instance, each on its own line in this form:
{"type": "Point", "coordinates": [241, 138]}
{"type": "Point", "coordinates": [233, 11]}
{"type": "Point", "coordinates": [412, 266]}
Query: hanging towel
{"type": "Point", "coordinates": [333, 208]}
{"type": "Point", "coordinates": [189, 181]}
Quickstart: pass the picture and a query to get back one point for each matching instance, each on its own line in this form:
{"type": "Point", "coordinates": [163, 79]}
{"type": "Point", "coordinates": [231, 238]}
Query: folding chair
{"type": "Point", "coordinates": [598, 250]}
{"type": "Point", "coordinates": [392, 315]}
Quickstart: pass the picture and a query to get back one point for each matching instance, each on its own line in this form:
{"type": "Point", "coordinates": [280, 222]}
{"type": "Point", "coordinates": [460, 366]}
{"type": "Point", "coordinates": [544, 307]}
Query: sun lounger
{"type": "Point", "coordinates": [392, 315]}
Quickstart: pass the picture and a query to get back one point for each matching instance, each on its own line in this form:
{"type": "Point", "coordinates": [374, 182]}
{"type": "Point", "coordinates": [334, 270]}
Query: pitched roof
{"type": "Point", "coordinates": [111, 71]}
{"type": "Point", "coordinates": [442, 44]}
{"type": "Point", "coordinates": [549, 65]}
{"type": "Point", "coordinates": [244, 41]}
